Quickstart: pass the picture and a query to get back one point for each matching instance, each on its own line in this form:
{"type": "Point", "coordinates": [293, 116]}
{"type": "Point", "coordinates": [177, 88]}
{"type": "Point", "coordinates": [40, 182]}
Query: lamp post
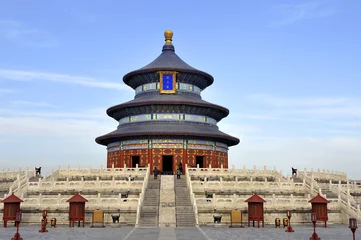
{"type": "Point", "coordinates": [353, 226]}
{"type": "Point", "coordinates": [314, 235]}
{"type": "Point", "coordinates": [289, 228]}
{"type": "Point", "coordinates": [17, 222]}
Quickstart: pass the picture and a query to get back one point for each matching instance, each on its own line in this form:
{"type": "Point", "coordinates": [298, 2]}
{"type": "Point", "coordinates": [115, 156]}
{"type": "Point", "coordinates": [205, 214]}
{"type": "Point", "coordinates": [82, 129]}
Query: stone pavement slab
{"type": "Point", "coordinates": [302, 232]}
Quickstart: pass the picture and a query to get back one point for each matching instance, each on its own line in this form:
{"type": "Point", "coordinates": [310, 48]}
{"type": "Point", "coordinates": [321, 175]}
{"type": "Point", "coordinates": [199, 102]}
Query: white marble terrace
{"type": "Point", "coordinates": [212, 190]}
{"type": "Point", "coordinates": [218, 191]}
{"type": "Point", "coordinates": [115, 190]}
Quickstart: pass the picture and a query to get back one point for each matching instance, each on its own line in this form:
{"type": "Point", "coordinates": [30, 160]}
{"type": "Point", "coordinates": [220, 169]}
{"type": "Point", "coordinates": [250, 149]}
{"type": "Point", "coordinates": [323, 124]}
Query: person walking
{"type": "Point", "coordinates": [179, 172]}
{"type": "Point", "coordinates": [155, 172]}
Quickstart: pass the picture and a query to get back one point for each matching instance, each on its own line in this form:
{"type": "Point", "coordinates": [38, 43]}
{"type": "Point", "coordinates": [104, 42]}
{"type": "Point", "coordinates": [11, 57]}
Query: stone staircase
{"type": "Point", "coordinates": [329, 194]}
{"type": "Point", "coordinates": [184, 209]}
{"type": "Point", "coordinates": [149, 212]}
{"type": "Point", "coordinates": [35, 179]}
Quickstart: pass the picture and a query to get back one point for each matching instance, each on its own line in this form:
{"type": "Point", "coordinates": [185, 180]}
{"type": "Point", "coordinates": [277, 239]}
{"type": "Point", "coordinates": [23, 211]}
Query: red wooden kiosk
{"type": "Point", "coordinates": [319, 206]}
{"type": "Point", "coordinates": [11, 207]}
{"type": "Point", "coordinates": [255, 209]}
{"type": "Point", "coordinates": [76, 209]}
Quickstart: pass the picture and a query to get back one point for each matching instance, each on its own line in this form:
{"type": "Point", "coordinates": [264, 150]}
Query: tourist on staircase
{"type": "Point", "coordinates": [155, 172]}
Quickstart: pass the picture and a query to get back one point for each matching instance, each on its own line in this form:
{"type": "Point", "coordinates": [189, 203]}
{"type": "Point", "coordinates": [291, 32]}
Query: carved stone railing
{"type": "Point", "coordinates": [102, 171]}
{"type": "Point", "coordinates": [350, 210]}
{"type": "Point", "coordinates": [11, 173]}
{"type": "Point", "coordinates": [233, 172]}
{"type": "Point", "coordinates": [191, 194]}
{"type": "Point", "coordinates": [204, 186]}
{"type": "Point", "coordinates": [273, 202]}
{"type": "Point", "coordinates": [141, 195]}
{"type": "Point", "coordinates": [84, 185]}
{"type": "Point", "coordinates": [21, 182]}
{"type": "Point", "coordinates": [94, 202]}
{"type": "Point", "coordinates": [310, 183]}
{"type": "Point", "coordinates": [344, 194]}
{"type": "Point", "coordinates": [327, 175]}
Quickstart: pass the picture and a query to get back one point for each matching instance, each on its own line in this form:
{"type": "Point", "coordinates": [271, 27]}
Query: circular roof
{"type": "Point", "coordinates": [168, 60]}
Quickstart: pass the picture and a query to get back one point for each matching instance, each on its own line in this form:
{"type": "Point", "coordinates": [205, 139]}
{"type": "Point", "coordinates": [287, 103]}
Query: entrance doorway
{"type": "Point", "coordinates": [135, 161]}
{"type": "Point", "coordinates": [199, 161]}
{"type": "Point", "coordinates": [167, 165]}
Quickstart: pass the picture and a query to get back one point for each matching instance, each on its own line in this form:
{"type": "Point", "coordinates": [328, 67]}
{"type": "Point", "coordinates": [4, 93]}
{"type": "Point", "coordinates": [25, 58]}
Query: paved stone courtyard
{"type": "Point", "coordinates": [334, 232]}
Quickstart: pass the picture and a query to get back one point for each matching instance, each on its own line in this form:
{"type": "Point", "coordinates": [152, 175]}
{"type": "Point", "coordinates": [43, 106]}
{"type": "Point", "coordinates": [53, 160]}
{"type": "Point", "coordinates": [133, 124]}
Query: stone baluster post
{"type": "Point", "coordinates": [348, 197]}
{"type": "Point", "coordinates": [40, 199]}
{"type": "Point", "coordinates": [59, 197]}
{"type": "Point", "coordinates": [66, 184]}
{"type": "Point", "coordinates": [98, 199]}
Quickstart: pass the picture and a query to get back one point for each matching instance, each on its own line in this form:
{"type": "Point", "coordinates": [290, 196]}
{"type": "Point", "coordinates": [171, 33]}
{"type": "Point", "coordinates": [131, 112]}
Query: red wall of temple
{"type": "Point", "coordinates": [154, 157]}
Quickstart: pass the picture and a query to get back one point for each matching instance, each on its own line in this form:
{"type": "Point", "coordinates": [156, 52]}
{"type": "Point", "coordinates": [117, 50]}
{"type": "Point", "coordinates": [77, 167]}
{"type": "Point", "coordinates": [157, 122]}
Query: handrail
{"type": "Point", "coordinates": [191, 194]}
{"type": "Point", "coordinates": [141, 195]}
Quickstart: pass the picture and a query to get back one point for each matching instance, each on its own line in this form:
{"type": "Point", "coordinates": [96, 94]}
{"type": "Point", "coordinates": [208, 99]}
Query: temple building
{"type": "Point", "coordinates": [167, 122]}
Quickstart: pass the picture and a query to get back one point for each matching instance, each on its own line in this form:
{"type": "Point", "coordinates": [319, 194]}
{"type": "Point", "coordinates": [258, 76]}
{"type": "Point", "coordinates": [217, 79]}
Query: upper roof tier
{"type": "Point", "coordinates": [168, 60]}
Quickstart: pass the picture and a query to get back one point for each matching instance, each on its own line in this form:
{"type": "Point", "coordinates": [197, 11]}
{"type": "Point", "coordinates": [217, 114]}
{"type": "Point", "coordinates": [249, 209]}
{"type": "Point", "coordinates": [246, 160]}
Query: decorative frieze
{"type": "Point", "coordinates": [168, 144]}
{"type": "Point", "coordinates": [168, 116]}
{"type": "Point", "coordinates": [179, 86]}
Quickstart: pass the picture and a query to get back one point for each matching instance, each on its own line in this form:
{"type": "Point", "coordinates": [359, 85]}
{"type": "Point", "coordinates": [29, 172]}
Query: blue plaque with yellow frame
{"type": "Point", "coordinates": [167, 80]}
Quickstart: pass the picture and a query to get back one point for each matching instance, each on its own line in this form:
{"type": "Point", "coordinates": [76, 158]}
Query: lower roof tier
{"type": "Point", "coordinates": [204, 131]}
{"type": "Point", "coordinates": [156, 103]}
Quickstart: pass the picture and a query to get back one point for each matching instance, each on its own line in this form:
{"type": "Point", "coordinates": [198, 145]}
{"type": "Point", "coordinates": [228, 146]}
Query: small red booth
{"type": "Point", "coordinates": [76, 209]}
{"type": "Point", "coordinates": [255, 209]}
{"type": "Point", "coordinates": [319, 206]}
{"type": "Point", "coordinates": [11, 207]}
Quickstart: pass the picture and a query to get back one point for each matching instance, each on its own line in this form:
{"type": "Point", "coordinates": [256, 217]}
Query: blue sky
{"type": "Point", "coordinates": [288, 71]}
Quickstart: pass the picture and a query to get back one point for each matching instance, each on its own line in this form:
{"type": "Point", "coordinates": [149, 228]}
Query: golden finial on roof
{"type": "Point", "coordinates": [168, 34]}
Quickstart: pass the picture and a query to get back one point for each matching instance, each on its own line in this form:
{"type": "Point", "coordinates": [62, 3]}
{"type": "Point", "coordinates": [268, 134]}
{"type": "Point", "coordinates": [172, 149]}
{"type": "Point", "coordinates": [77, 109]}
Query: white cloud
{"type": "Point", "coordinates": [97, 113]}
{"type": "Point", "coordinates": [35, 104]}
{"type": "Point", "coordinates": [31, 126]}
{"type": "Point", "coordinates": [341, 154]}
{"type": "Point", "coordinates": [6, 91]}
{"type": "Point", "coordinates": [307, 108]}
{"type": "Point", "coordinates": [20, 33]}
{"type": "Point", "coordinates": [291, 13]}
{"type": "Point", "coordinates": [18, 75]}
{"type": "Point", "coordinates": [302, 101]}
